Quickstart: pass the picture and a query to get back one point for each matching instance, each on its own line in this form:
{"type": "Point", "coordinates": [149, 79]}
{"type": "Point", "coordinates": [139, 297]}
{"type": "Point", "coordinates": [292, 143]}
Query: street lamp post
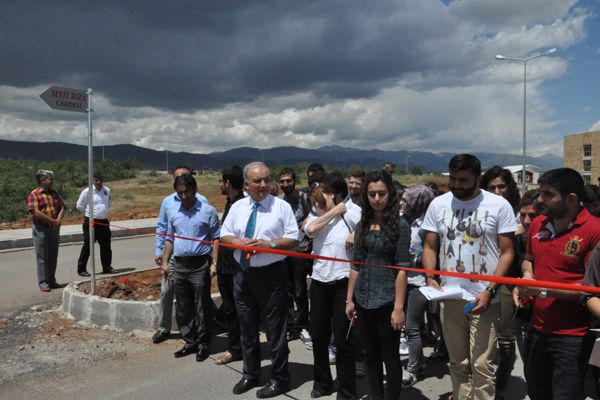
{"type": "Point", "coordinates": [524, 61]}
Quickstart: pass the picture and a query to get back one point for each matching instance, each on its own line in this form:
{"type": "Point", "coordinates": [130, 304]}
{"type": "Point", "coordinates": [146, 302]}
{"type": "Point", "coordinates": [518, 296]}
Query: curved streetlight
{"type": "Point", "coordinates": [500, 57]}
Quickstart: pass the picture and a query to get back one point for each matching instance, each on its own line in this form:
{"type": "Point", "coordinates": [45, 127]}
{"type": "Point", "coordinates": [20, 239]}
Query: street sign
{"type": "Point", "coordinates": [67, 99]}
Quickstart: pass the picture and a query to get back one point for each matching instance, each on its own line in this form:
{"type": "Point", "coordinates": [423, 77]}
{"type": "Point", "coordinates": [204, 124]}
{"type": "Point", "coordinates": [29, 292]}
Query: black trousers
{"type": "Point", "coordinates": [102, 236]}
{"type": "Point", "coordinates": [225, 282]}
{"type": "Point", "coordinates": [555, 365]}
{"type": "Point", "coordinates": [382, 345]}
{"type": "Point", "coordinates": [298, 270]}
{"type": "Point", "coordinates": [191, 279]}
{"type": "Point", "coordinates": [262, 293]}
{"type": "Point", "coordinates": [328, 309]}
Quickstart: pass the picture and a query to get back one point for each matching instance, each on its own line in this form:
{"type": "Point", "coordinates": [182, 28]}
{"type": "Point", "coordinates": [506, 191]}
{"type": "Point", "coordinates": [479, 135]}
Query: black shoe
{"type": "Point", "coordinates": [244, 385]}
{"type": "Point", "coordinates": [202, 355]}
{"type": "Point", "coordinates": [272, 389]}
{"type": "Point", "coordinates": [109, 270]}
{"type": "Point", "coordinates": [84, 273]}
{"type": "Point", "coordinates": [185, 351]}
{"type": "Point", "coordinates": [160, 336]}
{"type": "Point", "coordinates": [293, 335]}
{"type": "Point", "coordinates": [55, 285]}
{"type": "Point", "coordinates": [315, 394]}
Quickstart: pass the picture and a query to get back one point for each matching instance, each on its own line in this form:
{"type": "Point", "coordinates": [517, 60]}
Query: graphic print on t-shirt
{"type": "Point", "coordinates": [466, 233]}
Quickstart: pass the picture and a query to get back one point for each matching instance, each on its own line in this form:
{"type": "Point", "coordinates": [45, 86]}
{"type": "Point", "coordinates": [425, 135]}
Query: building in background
{"type": "Point", "coordinates": [581, 151]}
{"type": "Point", "coordinates": [532, 172]}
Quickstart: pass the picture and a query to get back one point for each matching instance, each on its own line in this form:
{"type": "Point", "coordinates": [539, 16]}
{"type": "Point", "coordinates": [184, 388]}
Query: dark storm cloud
{"type": "Point", "coordinates": [207, 54]}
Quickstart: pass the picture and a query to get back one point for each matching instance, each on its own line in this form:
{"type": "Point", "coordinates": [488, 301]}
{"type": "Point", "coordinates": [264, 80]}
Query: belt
{"type": "Point", "coordinates": [42, 224]}
{"type": "Point", "coordinates": [86, 219]}
{"type": "Point", "coordinates": [191, 258]}
{"type": "Point", "coordinates": [276, 264]}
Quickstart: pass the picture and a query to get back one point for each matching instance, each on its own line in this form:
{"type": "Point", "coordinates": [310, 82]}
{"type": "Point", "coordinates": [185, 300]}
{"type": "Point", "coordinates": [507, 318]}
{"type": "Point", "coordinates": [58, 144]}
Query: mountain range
{"type": "Point", "coordinates": [332, 156]}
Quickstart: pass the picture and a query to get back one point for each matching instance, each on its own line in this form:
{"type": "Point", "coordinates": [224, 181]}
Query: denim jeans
{"type": "Point", "coordinates": [382, 344]}
{"type": "Point", "coordinates": [556, 365]}
{"type": "Point", "coordinates": [416, 305]}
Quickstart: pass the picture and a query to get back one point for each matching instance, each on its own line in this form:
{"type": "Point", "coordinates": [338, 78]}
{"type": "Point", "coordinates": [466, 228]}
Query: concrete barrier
{"type": "Point", "coordinates": [115, 314]}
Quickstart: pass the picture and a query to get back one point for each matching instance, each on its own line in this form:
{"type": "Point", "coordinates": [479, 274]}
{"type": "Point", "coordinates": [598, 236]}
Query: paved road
{"type": "Point", "coordinates": [18, 280]}
{"type": "Point", "coordinates": [155, 374]}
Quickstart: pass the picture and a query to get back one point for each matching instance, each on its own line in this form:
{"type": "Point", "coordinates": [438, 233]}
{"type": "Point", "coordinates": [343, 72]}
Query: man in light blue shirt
{"type": "Point", "coordinates": [190, 230]}
{"type": "Point", "coordinates": [170, 204]}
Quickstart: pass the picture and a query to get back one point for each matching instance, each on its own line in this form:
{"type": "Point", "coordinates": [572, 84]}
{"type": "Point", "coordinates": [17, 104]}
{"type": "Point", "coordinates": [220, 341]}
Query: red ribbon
{"type": "Point", "coordinates": [475, 277]}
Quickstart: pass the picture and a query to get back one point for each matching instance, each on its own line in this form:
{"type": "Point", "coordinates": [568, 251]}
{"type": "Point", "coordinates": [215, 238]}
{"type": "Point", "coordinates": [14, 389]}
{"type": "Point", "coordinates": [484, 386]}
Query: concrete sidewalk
{"type": "Point", "coordinates": [21, 238]}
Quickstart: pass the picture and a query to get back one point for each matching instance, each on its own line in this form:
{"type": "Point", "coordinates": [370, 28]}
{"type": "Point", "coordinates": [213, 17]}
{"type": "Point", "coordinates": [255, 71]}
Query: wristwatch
{"type": "Point", "coordinates": [543, 294]}
{"type": "Point", "coordinates": [272, 244]}
{"type": "Point", "coordinates": [491, 290]}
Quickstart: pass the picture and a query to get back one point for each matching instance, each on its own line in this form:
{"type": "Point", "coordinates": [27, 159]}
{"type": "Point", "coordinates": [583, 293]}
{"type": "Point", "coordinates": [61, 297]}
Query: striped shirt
{"type": "Point", "coordinates": [47, 201]}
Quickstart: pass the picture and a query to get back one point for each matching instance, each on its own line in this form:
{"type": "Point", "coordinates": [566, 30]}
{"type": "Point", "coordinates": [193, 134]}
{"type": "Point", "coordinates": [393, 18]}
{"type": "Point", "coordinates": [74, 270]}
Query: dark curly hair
{"type": "Point", "coordinates": [390, 229]}
{"type": "Point", "coordinates": [512, 195]}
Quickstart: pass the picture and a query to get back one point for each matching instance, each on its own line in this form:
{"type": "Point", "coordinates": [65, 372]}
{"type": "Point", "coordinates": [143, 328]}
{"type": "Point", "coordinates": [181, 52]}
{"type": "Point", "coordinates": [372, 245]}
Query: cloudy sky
{"type": "Point", "coordinates": [212, 75]}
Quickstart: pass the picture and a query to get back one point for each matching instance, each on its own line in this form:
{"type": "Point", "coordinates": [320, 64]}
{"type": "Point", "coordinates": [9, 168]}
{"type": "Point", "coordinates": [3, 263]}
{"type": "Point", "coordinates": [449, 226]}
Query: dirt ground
{"type": "Point", "coordinates": [141, 197]}
{"type": "Point", "coordinates": [142, 286]}
{"type": "Point", "coordinates": [138, 198]}
{"type": "Point", "coordinates": [39, 339]}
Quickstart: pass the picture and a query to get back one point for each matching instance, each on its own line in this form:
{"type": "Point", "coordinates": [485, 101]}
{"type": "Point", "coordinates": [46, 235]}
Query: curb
{"type": "Point", "coordinates": [13, 244]}
{"type": "Point", "coordinates": [114, 314]}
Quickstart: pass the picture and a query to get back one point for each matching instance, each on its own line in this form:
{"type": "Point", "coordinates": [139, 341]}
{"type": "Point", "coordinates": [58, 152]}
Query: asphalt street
{"type": "Point", "coordinates": [155, 374]}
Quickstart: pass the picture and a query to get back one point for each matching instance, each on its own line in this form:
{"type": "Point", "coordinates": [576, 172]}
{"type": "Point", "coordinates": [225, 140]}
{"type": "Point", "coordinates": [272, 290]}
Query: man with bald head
{"type": "Point", "coordinates": [260, 286]}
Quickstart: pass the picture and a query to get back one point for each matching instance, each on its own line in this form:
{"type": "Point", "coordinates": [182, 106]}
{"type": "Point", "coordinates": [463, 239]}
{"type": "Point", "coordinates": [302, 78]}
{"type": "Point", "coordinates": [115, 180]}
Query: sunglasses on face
{"type": "Point", "coordinates": [492, 188]}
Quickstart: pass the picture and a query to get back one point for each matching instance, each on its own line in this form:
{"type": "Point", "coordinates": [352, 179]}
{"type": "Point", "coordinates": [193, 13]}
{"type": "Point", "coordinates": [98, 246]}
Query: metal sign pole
{"type": "Point", "coordinates": [90, 110]}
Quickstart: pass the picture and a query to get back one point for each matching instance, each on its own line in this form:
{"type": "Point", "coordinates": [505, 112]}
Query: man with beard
{"type": "Point", "coordinates": [473, 231]}
{"type": "Point", "coordinates": [559, 244]}
{"type": "Point", "coordinates": [357, 176]}
{"type": "Point", "coordinates": [231, 184]}
{"type": "Point", "coordinates": [298, 268]}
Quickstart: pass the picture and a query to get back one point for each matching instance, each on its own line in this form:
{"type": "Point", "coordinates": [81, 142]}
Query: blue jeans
{"type": "Point", "coordinates": [555, 365]}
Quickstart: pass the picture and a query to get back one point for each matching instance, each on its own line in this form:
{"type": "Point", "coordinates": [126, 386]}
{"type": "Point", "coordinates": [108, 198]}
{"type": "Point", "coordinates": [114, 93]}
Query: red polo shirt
{"type": "Point", "coordinates": [561, 258]}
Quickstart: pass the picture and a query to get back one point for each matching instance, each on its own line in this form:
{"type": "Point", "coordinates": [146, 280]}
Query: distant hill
{"type": "Point", "coordinates": [333, 156]}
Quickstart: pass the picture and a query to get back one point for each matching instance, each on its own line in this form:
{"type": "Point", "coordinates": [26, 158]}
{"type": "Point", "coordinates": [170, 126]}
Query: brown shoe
{"type": "Point", "coordinates": [44, 289]}
{"type": "Point", "coordinates": [225, 358]}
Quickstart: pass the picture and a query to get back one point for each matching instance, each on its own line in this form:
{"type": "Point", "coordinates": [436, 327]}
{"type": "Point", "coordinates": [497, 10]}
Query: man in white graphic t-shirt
{"type": "Point", "coordinates": [469, 231]}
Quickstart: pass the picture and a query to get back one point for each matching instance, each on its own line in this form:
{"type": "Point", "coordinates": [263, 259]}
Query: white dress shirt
{"type": "Point", "coordinates": [274, 220]}
{"type": "Point", "coordinates": [331, 242]}
{"type": "Point", "coordinates": [102, 202]}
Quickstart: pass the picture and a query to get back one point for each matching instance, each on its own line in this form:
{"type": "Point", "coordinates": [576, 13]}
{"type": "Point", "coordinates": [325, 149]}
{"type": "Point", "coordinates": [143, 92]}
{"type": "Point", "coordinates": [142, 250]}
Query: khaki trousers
{"type": "Point", "coordinates": [472, 343]}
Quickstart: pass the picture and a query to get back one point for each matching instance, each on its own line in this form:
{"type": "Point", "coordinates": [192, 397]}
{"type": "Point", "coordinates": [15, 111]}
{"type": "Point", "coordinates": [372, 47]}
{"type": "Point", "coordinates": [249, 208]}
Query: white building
{"type": "Point", "coordinates": [532, 172]}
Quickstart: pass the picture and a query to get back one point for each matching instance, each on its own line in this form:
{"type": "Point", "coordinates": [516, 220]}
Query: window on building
{"type": "Point", "coordinates": [587, 165]}
{"type": "Point", "coordinates": [587, 150]}
{"type": "Point", "coordinates": [587, 180]}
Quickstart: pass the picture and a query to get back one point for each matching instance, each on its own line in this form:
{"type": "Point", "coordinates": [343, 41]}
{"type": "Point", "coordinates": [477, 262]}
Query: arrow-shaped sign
{"type": "Point", "coordinates": [67, 99]}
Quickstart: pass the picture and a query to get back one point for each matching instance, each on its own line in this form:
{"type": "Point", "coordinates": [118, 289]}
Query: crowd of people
{"type": "Point", "coordinates": [362, 310]}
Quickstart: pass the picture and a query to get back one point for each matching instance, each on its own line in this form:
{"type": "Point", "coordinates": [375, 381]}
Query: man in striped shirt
{"type": "Point", "coordinates": [46, 208]}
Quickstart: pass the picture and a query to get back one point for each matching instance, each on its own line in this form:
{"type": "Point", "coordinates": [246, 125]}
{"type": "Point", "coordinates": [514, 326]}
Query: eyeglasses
{"type": "Point", "coordinates": [492, 188]}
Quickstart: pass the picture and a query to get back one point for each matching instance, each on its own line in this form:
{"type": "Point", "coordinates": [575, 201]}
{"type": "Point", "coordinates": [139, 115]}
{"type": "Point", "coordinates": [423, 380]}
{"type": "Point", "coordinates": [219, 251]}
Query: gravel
{"type": "Point", "coordinates": [40, 338]}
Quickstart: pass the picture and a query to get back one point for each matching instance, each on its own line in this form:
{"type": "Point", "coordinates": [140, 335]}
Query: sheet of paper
{"type": "Point", "coordinates": [449, 292]}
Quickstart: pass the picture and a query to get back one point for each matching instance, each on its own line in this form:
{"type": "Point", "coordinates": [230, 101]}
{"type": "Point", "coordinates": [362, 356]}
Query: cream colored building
{"type": "Point", "coordinates": [581, 151]}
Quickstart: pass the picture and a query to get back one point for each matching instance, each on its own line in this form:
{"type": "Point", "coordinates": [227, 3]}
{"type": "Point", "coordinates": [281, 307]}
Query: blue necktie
{"type": "Point", "coordinates": [250, 228]}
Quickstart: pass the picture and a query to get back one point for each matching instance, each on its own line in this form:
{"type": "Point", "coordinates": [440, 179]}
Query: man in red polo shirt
{"type": "Point", "coordinates": [46, 208]}
{"type": "Point", "coordinates": [560, 243]}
